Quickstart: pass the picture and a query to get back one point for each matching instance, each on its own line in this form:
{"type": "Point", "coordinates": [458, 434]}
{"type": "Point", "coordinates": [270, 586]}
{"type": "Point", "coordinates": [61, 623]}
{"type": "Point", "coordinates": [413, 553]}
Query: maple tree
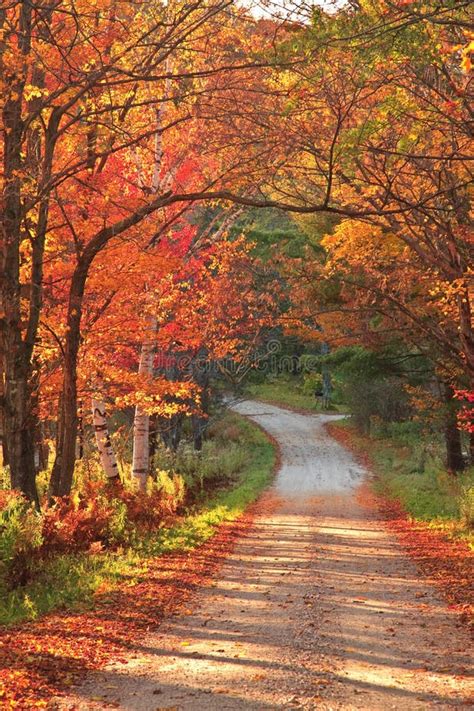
{"type": "Point", "coordinates": [83, 91]}
{"type": "Point", "coordinates": [110, 131]}
{"type": "Point", "coordinates": [392, 139]}
{"type": "Point", "coordinates": [135, 135]}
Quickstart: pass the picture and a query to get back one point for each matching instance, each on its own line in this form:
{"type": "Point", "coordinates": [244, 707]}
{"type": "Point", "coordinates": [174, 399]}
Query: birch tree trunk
{"type": "Point", "coordinates": [102, 436]}
{"type": "Point", "coordinates": [141, 422]}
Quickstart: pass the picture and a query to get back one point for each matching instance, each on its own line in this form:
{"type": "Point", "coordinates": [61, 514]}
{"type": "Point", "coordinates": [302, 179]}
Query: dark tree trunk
{"type": "Point", "coordinates": [5, 459]}
{"type": "Point", "coordinates": [2, 415]}
{"type": "Point", "coordinates": [20, 435]}
{"type": "Point", "coordinates": [63, 468]}
{"type": "Point", "coordinates": [326, 375]}
{"type": "Point", "coordinates": [153, 434]}
{"type": "Point", "coordinates": [454, 458]}
{"type": "Point", "coordinates": [18, 420]}
{"type": "Point", "coordinates": [34, 409]}
{"type": "Point", "coordinates": [200, 374]}
{"type": "Point", "coordinates": [171, 432]}
{"type": "Point", "coordinates": [80, 432]}
{"type": "Point", "coordinates": [19, 417]}
{"type": "Point", "coordinates": [176, 432]}
{"type": "Point", "coordinates": [22, 155]}
{"type": "Point", "coordinates": [197, 425]}
{"type": "Point", "coordinates": [43, 449]}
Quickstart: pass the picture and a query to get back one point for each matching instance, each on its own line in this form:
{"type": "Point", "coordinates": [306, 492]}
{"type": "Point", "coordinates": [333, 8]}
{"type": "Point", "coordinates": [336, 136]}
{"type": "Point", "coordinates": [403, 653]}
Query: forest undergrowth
{"type": "Point", "coordinates": [429, 511]}
{"type": "Point", "coordinates": [102, 538]}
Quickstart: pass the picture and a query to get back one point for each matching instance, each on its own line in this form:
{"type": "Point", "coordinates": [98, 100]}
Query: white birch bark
{"type": "Point", "coordinates": [102, 436]}
{"type": "Point", "coordinates": [141, 422]}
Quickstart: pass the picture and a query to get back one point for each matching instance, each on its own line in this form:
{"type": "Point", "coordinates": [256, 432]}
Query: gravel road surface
{"type": "Point", "coordinates": [317, 607]}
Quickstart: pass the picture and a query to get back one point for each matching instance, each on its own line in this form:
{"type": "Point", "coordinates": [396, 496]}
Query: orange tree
{"type": "Point", "coordinates": [376, 120]}
{"type": "Point", "coordinates": [83, 88]}
{"type": "Point", "coordinates": [396, 100]}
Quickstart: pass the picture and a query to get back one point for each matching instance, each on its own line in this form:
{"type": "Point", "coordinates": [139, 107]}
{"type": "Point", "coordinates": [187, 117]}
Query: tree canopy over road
{"type": "Point", "coordinates": [200, 196]}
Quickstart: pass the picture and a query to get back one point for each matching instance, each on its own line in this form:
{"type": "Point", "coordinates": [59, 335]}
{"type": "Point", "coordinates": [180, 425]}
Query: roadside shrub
{"type": "Point", "coordinates": [466, 506]}
{"type": "Point", "coordinates": [231, 433]}
{"type": "Point", "coordinates": [77, 521]}
{"type": "Point", "coordinates": [406, 431]}
{"type": "Point", "coordinates": [216, 463]}
{"type": "Point", "coordinates": [148, 510]}
{"type": "Point", "coordinates": [93, 519]}
{"type": "Point", "coordinates": [119, 528]}
{"type": "Point", "coordinates": [312, 383]}
{"type": "Point", "coordinates": [97, 515]}
{"type": "Point", "coordinates": [20, 538]}
{"type": "Point", "coordinates": [381, 400]}
{"type": "Point", "coordinates": [4, 478]}
{"type": "Point", "coordinates": [223, 464]}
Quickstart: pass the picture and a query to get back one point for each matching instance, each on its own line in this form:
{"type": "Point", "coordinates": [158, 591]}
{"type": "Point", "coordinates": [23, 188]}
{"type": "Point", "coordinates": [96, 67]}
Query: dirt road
{"type": "Point", "coordinates": [316, 608]}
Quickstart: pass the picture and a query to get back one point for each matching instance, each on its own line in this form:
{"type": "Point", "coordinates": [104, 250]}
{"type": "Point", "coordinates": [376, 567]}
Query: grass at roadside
{"type": "Point", "coordinates": [72, 581]}
{"type": "Point", "coordinates": [227, 505]}
{"type": "Point", "coordinates": [426, 491]}
{"type": "Point", "coordinates": [286, 393]}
